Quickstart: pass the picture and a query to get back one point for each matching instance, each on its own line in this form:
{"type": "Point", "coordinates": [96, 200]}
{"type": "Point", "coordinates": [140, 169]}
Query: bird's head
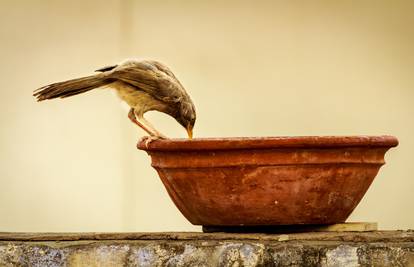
{"type": "Point", "coordinates": [187, 117]}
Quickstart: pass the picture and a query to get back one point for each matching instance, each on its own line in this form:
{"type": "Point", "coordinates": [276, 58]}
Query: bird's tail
{"type": "Point", "coordinates": [70, 87]}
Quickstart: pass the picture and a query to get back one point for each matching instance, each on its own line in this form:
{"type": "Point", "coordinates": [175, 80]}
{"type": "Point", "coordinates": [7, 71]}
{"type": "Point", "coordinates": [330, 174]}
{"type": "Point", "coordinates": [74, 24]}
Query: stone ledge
{"type": "Point", "coordinates": [379, 248]}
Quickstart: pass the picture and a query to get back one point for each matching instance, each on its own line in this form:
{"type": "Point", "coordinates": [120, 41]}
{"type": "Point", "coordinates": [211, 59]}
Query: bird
{"type": "Point", "coordinates": [145, 85]}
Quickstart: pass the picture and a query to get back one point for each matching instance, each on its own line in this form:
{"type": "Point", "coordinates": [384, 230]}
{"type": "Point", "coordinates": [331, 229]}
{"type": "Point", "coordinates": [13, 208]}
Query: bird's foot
{"type": "Point", "coordinates": [149, 139]}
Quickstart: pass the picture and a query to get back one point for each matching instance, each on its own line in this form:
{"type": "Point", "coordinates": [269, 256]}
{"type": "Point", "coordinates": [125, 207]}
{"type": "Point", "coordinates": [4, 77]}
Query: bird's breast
{"type": "Point", "coordinates": [137, 99]}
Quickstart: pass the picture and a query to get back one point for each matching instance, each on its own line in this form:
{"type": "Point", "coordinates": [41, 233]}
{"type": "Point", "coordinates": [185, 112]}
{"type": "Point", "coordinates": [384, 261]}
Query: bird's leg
{"type": "Point", "coordinates": [149, 139]}
{"type": "Point", "coordinates": [147, 124]}
{"type": "Point", "coordinates": [144, 124]}
{"type": "Point", "coordinates": [132, 117]}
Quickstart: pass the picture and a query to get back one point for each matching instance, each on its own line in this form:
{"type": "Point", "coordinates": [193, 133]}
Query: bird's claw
{"type": "Point", "coordinates": [149, 139]}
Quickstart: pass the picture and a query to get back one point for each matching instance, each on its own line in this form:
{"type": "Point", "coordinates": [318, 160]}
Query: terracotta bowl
{"type": "Point", "coordinates": [268, 181]}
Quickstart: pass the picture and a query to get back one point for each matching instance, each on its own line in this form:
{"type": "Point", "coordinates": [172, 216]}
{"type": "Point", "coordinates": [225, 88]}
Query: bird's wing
{"type": "Point", "coordinates": [106, 68]}
{"type": "Point", "coordinates": [161, 67]}
{"type": "Point", "coordinates": [151, 80]}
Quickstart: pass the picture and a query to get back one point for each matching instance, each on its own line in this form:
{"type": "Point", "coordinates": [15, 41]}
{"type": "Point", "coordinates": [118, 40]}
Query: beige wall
{"type": "Point", "coordinates": [269, 68]}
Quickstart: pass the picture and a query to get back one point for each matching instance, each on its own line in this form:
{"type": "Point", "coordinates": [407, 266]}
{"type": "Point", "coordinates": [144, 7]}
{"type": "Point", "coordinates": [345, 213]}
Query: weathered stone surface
{"type": "Point", "coordinates": [392, 248]}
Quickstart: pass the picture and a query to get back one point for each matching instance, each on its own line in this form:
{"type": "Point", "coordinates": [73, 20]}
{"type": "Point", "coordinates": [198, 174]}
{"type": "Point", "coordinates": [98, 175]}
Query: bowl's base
{"type": "Point", "coordinates": [295, 228]}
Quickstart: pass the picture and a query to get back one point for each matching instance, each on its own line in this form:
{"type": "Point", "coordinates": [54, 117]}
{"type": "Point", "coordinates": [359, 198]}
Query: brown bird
{"type": "Point", "coordinates": [143, 84]}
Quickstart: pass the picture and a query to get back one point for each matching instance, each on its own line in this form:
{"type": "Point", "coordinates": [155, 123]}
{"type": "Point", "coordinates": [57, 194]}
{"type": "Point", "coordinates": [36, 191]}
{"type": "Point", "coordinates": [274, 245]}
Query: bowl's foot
{"type": "Point", "coordinates": [294, 228]}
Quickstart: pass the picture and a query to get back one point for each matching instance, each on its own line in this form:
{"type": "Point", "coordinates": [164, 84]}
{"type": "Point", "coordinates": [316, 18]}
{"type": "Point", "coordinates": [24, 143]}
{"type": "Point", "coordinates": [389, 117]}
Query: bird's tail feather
{"type": "Point", "coordinates": [70, 87]}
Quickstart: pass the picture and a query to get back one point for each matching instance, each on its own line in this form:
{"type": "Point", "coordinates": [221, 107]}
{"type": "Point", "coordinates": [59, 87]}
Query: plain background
{"type": "Point", "coordinates": [258, 68]}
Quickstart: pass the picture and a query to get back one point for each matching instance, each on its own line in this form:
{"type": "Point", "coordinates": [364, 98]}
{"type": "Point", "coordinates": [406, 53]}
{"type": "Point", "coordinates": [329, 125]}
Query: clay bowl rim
{"type": "Point", "coordinates": [271, 142]}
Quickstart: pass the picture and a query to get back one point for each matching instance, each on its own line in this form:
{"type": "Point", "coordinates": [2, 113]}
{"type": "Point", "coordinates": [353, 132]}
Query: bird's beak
{"type": "Point", "coordinates": [190, 131]}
